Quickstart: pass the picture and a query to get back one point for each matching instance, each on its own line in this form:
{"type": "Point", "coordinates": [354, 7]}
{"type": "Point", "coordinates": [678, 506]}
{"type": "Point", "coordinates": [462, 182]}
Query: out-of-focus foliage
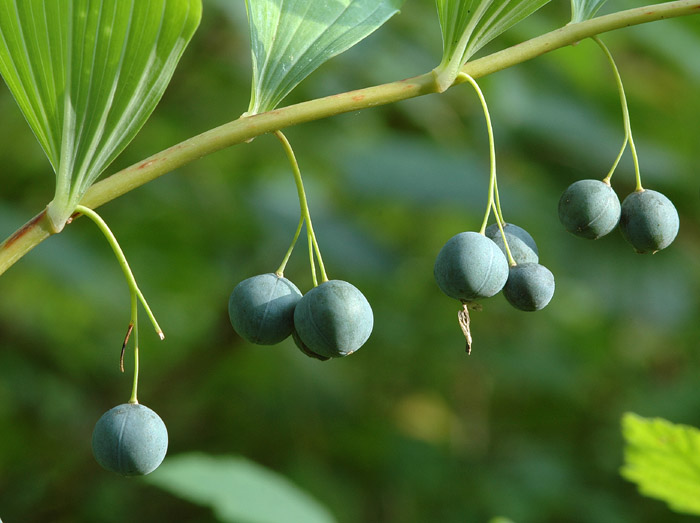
{"type": "Point", "coordinates": [237, 489]}
{"type": "Point", "coordinates": [663, 459]}
{"type": "Point", "coordinates": [409, 429]}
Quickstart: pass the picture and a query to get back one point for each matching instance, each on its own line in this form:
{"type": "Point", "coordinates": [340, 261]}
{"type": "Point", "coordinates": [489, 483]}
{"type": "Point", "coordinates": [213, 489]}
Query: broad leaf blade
{"type": "Point", "coordinates": [468, 25]}
{"type": "Point", "coordinates": [87, 74]}
{"type": "Point", "coordinates": [237, 490]}
{"type": "Point", "coordinates": [582, 10]}
{"type": "Point", "coordinates": [291, 38]}
{"type": "Point", "coordinates": [663, 459]}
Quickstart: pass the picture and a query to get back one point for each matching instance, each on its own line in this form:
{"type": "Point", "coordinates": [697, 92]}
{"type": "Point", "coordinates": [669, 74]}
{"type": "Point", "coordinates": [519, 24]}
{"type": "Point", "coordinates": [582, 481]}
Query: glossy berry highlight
{"type": "Point", "coordinates": [332, 320]}
{"type": "Point", "coordinates": [649, 221]}
{"type": "Point", "coordinates": [470, 266]}
{"type": "Point", "coordinates": [589, 208]}
{"type": "Point", "coordinates": [130, 439]}
{"type": "Point", "coordinates": [522, 246]}
{"type": "Point", "coordinates": [261, 308]}
{"type": "Point", "coordinates": [530, 286]}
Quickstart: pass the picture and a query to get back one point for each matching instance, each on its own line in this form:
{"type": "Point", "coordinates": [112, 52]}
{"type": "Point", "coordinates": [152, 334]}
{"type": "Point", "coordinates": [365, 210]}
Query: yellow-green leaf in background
{"type": "Point", "coordinates": [87, 74]}
{"type": "Point", "coordinates": [291, 38]}
{"type": "Point", "coordinates": [468, 25]}
{"type": "Point", "coordinates": [663, 459]}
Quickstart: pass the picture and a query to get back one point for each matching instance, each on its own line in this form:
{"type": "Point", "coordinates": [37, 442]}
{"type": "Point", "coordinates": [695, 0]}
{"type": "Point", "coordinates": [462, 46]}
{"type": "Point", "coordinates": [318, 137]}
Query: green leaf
{"type": "Point", "coordinates": [291, 38]}
{"type": "Point", "coordinates": [663, 459]}
{"type": "Point", "coordinates": [468, 25]}
{"type": "Point", "coordinates": [582, 10]}
{"type": "Point", "coordinates": [237, 490]}
{"type": "Point", "coordinates": [87, 74]}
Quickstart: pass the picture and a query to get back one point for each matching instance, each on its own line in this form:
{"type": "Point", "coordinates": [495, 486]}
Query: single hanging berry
{"type": "Point", "coordinates": [130, 439]}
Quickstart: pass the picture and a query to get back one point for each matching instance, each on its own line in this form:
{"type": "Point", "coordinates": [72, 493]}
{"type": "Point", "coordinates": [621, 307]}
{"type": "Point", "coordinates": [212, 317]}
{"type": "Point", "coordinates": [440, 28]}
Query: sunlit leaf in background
{"type": "Point", "coordinates": [582, 10]}
{"type": "Point", "coordinates": [291, 38]}
{"type": "Point", "coordinates": [663, 459]}
{"type": "Point", "coordinates": [237, 489]}
{"type": "Point", "coordinates": [468, 25]}
{"type": "Point", "coordinates": [87, 74]}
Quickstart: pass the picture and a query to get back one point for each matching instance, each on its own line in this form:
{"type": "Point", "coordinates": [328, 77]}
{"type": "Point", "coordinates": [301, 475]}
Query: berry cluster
{"type": "Point", "coordinates": [472, 266]}
{"type": "Point", "coordinates": [500, 257]}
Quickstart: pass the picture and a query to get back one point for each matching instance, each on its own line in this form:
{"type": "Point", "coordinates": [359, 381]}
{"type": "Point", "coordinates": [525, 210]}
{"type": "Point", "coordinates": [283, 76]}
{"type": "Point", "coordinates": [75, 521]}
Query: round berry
{"type": "Point", "coordinates": [333, 319]}
{"type": "Point", "coordinates": [130, 439]}
{"type": "Point", "coordinates": [649, 221]}
{"type": "Point", "coordinates": [522, 247]}
{"type": "Point", "coordinates": [470, 266]}
{"type": "Point", "coordinates": [261, 308]}
{"type": "Point", "coordinates": [530, 286]}
{"type": "Point", "coordinates": [589, 208]}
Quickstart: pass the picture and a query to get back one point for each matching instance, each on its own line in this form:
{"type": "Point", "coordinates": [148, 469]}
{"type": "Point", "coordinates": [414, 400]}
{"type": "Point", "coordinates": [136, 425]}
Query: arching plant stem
{"type": "Point", "coordinates": [493, 203]}
{"type": "Point", "coordinates": [305, 214]}
{"type": "Point", "coordinates": [625, 118]}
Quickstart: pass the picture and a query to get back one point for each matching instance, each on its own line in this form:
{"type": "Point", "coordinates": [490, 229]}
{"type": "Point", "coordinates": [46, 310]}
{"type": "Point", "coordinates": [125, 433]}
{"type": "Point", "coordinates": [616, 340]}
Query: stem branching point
{"type": "Point", "coordinates": [314, 249]}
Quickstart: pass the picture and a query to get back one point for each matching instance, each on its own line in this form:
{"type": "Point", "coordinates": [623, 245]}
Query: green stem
{"type": "Point", "coordinates": [492, 150]}
{"type": "Point", "coordinates": [135, 321]}
{"type": "Point", "coordinates": [497, 211]}
{"type": "Point", "coordinates": [303, 204]}
{"type": "Point", "coordinates": [280, 271]}
{"type": "Point", "coordinates": [625, 118]}
{"type": "Point", "coordinates": [493, 200]}
{"type": "Point", "coordinates": [244, 129]}
{"type": "Point", "coordinates": [131, 281]}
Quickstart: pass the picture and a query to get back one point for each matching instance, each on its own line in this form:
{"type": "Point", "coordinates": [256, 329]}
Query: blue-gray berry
{"type": "Point", "coordinates": [333, 320]}
{"type": "Point", "coordinates": [130, 439]}
{"type": "Point", "coordinates": [522, 246]}
{"type": "Point", "coordinates": [530, 286]}
{"type": "Point", "coordinates": [649, 221]}
{"type": "Point", "coordinates": [470, 266]}
{"type": "Point", "coordinates": [261, 308]}
{"type": "Point", "coordinates": [589, 208]}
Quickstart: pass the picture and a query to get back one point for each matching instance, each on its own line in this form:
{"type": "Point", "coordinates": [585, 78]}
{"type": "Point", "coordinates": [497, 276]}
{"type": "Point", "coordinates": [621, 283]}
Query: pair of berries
{"type": "Point", "coordinates": [471, 266]}
{"type": "Point", "coordinates": [647, 219]}
{"type": "Point", "coordinates": [332, 320]}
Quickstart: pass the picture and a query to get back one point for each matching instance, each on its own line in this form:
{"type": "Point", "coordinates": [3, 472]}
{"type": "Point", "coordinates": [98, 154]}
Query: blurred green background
{"type": "Point", "coordinates": [409, 429]}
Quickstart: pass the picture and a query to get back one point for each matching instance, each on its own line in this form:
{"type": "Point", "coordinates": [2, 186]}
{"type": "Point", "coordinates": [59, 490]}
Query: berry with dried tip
{"type": "Point", "coordinates": [589, 208]}
{"type": "Point", "coordinates": [332, 320]}
{"type": "Point", "coordinates": [261, 308]}
{"type": "Point", "coordinates": [522, 246]}
{"type": "Point", "coordinates": [530, 286]}
{"type": "Point", "coordinates": [649, 221]}
{"type": "Point", "coordinates": [470, 266]}
{"type": "Point", "coordinates": [130, 439]}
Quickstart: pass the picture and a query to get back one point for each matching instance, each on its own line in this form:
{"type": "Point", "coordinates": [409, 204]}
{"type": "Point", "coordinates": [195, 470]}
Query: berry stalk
{"type": "Point", "coordinates": [625, 118]}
